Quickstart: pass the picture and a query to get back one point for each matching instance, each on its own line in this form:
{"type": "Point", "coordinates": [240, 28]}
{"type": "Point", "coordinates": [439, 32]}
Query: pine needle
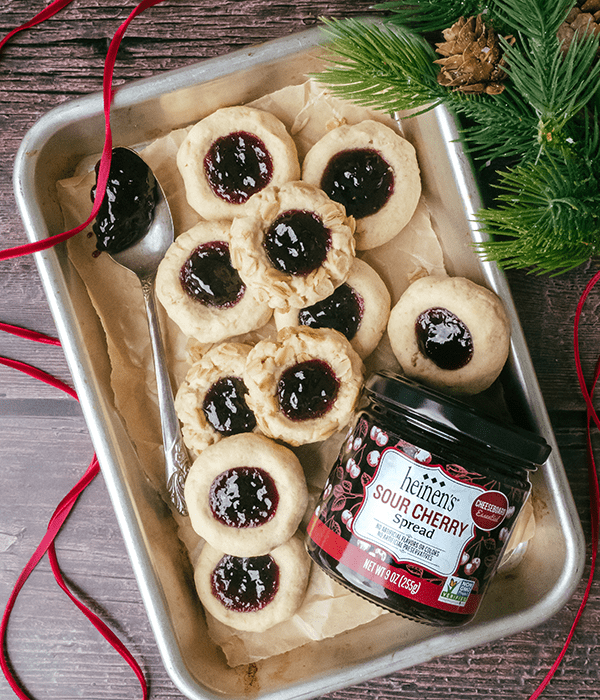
{"type": "Point", "coordinates": [499, 129]}
{"type": "Point", "coordinates": [431, 15]}
{"type": "Point", "coordinates": [547, 216]}
{"type": "Point", "coordinates": [380, 67]}
{"type": "Point", "coordinates": [538, 20]}
{"type": "Point", "coordinates": [556, 86]}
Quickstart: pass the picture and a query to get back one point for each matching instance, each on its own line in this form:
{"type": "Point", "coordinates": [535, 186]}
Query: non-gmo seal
{"type": "Point", "coordinates": [489, 510]}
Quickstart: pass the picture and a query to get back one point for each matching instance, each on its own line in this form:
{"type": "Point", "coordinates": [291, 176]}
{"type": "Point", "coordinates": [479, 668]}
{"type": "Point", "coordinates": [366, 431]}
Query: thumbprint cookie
{"type": "Point", "coordinates": [304, 385]}
{"type": "Point", "coordinates": [293, 246]}
{"type": "Point", "coordinates": [211, 401]}
{"type": "Point", "coordinates": [246, 494]}
{"type": "Point", "coordinates": [200, 289]}
{"type": "Point", "coordinates": [230, 155]}
{"type": "Point", "coordinates": [253, 593]}
{"type": "Point", "coordinates": [450, 333]}
{"type": "Point", "coordinates": [359, 309]}
{"type": "Point", "coordinates": [373, 172]}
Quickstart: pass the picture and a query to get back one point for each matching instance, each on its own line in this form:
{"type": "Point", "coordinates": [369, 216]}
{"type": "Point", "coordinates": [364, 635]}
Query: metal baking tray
{"type": "Point", "coordinates": [532, 593]}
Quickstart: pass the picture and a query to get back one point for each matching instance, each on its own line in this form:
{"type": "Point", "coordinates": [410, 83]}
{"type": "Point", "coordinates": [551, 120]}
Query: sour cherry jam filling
{"type": "Point", "coordinates": [307, 390]}
{"type": "Point", "coordinates": [209, 278]}
{"type": "Point", "coordinates": [343, 311]}
{"type": "Point", "coordinates": [245, 584]}
{"type": "Point", "coordinates": [225, 407]}
{"type": "Point", "coordinates": [237, 166]}
{"type": "Point", "coordinates": [297, 242]}
{"type": "Point", "coordinates": [444, 338]}
{"type": "Point", "coordinates": [360, 179]}
{"type": "Point", "coordinates": [243, 497]}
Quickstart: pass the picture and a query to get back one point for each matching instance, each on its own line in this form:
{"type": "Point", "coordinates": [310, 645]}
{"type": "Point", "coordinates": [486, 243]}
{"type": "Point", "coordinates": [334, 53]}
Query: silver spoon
{"type": "Point", "coordinates": [142, 258]}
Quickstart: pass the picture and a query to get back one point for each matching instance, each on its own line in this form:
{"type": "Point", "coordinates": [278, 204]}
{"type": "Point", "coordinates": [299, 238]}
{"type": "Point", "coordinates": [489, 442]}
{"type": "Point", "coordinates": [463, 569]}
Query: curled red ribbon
{"type": "Point", "coordinates": [592, 417]}
{"type": "Point", "coordinates": [66, 505]}
{"type": "Point", "coordinates": [107, 92]}
{"type": "Point", "coordinates": [56, 521]}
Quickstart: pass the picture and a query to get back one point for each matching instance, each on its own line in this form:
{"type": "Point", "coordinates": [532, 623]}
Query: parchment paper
{"type": "Point", "coordinates": [308, 112]}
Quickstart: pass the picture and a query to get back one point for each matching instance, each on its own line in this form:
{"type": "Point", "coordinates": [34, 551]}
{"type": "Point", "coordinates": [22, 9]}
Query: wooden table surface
{"type": "Point", "coordinates": [44, 443]}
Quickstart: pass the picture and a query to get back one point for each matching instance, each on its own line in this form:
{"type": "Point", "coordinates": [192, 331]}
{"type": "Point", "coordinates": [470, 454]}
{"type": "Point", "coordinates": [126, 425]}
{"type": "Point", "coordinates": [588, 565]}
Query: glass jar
{"type": "Point", "coordinates": [422, 500]}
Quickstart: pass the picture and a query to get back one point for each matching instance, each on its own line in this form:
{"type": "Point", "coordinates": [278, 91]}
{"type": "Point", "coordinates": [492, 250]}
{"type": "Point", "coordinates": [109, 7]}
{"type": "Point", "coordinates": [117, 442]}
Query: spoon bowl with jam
{"type": "Point", "coordinates": [134, 226]}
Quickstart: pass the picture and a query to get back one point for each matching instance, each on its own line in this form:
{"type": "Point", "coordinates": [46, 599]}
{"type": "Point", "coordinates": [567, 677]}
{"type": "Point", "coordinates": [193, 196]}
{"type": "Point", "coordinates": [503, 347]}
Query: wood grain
{"type": "Point", "coordinates": [45, 447]}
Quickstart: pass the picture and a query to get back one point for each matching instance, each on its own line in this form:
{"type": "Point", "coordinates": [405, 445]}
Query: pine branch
{"type": "Point", "coordinates": [499, 129]}
{"type": "Point", "coordinates": [547, 216]}
{"type": "Point", "coordinates": [380, 67]}
{"type": "Point", "coordinates": [431, 15]}
{"type": "Point", "coordinates": [556, 86]}
{"type": "Point", "coordinates": [546, 211]}
{"type": "Point", "coordinates": [538, 20]}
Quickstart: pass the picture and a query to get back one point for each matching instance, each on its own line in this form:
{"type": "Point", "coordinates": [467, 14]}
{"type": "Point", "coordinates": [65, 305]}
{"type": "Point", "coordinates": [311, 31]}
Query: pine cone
{"type": "Point", "coordinates": [584, 17]}
{"type": "Point", "coordinates": [472, 60]}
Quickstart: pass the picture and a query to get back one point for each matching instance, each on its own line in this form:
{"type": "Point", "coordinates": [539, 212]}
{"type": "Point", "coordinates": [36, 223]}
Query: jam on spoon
{"type": "Point", "coordinates": [127, 210]}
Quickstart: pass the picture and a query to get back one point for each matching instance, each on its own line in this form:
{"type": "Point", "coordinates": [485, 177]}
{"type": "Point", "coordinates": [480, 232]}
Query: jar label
{"type": "Point", "coordinates": [454, 593]}
{"type": "Point", "coordinates": [418, 513]}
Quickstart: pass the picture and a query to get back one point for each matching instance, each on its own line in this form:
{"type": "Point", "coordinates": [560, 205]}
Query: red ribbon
{"type": "Point", "coordinates": [592, 417]}
{"type": "Point", "coordinates": [107, 92]}
{"type": "Point", "coordinates": [65, 506]}
{"type": "Point", "coordinates": [29, 335]}
{"type": "Point", "coordinates": [56, 521]}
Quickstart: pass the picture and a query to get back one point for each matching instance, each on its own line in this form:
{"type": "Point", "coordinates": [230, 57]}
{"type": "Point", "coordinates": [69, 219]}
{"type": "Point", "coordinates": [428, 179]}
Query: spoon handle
{"type": "Point", "coordinates": [176, 458]}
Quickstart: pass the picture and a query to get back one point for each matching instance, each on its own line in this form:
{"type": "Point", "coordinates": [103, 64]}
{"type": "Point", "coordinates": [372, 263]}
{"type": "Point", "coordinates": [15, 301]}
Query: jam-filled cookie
{"type": "Point", "coordinates": [304, 385]}
{"type": "Point", "coordinates": [211, 401]}
{"type": "Point", "coordinates": [232, 154]}
{"type": "Point", "coordinates": [253, 593]}
{"type": "Point", "coordinates": [359, 309]}
{"type": "Point", "coordinates": [246, 494]}
{"type": "Point", "coordinates": [293, 246]}
{"type": "Point", "coordinates": [450, 333]}
{"type": "Point", "coordinates": [373, 172]}
{"type": "Point", "coordinates": [202, 291]}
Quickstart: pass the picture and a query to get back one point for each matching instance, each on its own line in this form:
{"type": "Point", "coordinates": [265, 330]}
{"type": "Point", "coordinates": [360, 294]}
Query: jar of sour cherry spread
{"type": "Point", "coordinates": [421, 502]}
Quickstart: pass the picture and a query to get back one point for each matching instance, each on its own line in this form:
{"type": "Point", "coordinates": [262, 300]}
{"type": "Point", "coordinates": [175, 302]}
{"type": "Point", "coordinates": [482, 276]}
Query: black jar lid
{"type": "Point", "coordinates": [456, 418]}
